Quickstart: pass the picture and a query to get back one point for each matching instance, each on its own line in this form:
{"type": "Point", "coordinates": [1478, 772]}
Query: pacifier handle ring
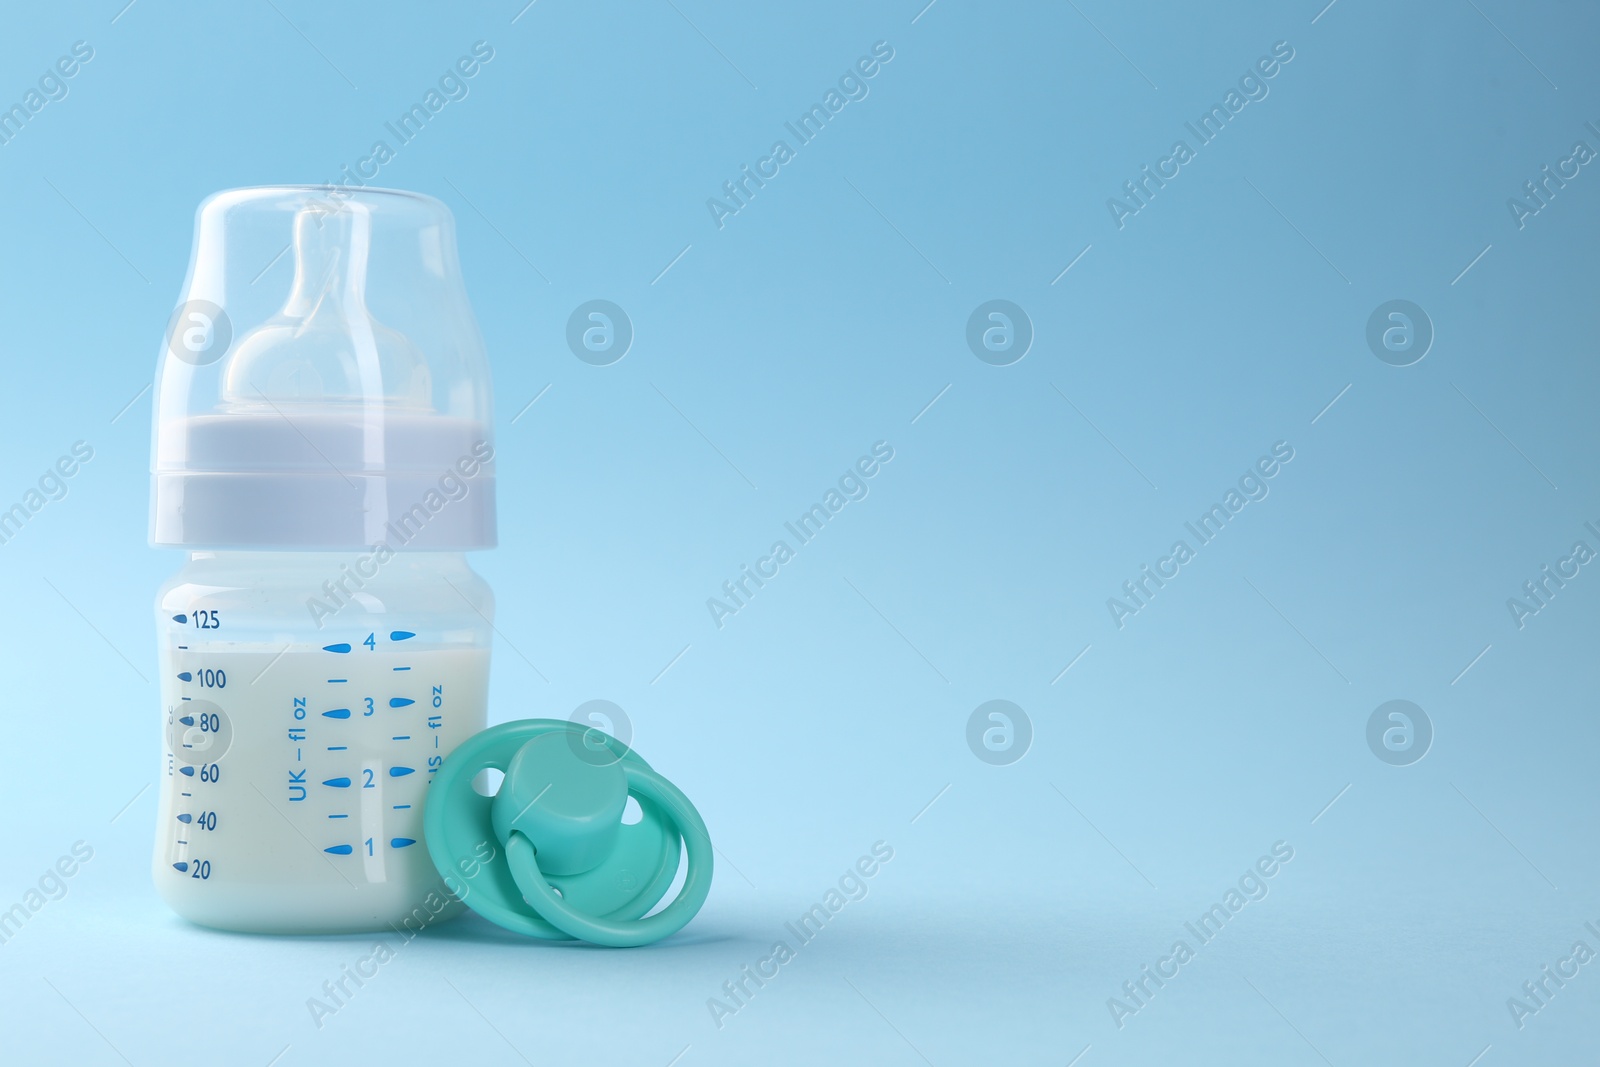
{"type": "Point", "coordinates": [535, 888]}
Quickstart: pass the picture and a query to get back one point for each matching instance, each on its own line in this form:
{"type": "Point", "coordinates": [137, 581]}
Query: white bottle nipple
{"type": "Point", "coordinates": [324, 346]}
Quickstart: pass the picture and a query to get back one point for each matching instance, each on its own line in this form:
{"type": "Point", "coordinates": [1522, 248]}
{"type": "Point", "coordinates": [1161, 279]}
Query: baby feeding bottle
{"type": "Point", "coordinates": [323, 452]}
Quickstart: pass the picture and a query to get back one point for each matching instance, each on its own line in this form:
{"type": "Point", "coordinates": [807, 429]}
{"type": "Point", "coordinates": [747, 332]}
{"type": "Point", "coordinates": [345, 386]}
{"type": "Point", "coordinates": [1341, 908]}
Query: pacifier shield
{"type": "Point", "coordinates": [609, 869]}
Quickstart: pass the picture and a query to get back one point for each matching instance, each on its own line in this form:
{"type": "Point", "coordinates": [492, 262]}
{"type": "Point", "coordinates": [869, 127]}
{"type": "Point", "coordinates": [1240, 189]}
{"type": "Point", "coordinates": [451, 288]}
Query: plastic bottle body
{"type": "Point", "coordinates": [308, 699]}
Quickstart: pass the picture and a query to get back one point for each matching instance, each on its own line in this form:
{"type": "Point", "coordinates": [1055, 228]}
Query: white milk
{"type": "Point", "coordinates": [295, 803]}
{"type": "Point", "coordinates": [294, 773]}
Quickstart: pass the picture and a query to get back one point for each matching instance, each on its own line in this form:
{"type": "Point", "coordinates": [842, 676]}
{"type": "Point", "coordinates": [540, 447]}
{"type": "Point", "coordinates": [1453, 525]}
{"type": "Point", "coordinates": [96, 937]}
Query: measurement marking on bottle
{"type": "Point", "coordinates": [340, 647]}
{"type": "Point", "coordinates": [337, 783]}
{"type": "Point", "coordinates": [401, 772]}
{"type": "Point", "coordinates": [338, 748]}
{"type": "Point", "coordinates": [337, 713]}
{"type": "Point", "coordinates": [339, 850]}
{"type": "Point", "coordinates": [186, 818]}
{"type": "Point", "coordinates": [402, 807]}
{"type": "Point", "coordinates": [337, 681]}
{"type": "Point", "coordinates": [373, 864]}
{"type": "Point", "coordinates": [402, 668]}
{"type": "Point", "coordinates": [185, 676]}
{"type": "Point", "coordinates": [401, 737]}
{"type": "Point", "coordinates": [401, 702]}
{"type": "Point", "coordinates": [338, 816]}
{"type": "Point", "coordinates": [401, 842]}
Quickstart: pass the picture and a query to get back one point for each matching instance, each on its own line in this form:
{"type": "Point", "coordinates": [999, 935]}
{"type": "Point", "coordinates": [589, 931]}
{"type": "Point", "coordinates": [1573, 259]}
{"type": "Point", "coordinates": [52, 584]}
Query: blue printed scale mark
{"type": "Point", "coordinates": [187, 720]}
{"type": "Point", "coordinates": [340, 647]}
{"type": "Point", "coordinates": [401, 772]}
{"type": "Point", "coordinates": [186, 818]}
{"type": "Point", "coordinates": [401, 842]}
{"type": "Point", "coordinates": [181, 620]}
{"type": "Point", "coordinates": [185, 676]}
{"type": "Point", "coordinates": [181, 868]}
{"type": "Point", "coordinates": [339, 850]}
{"type": "Point", "coordinates": [401, 635]}
{"type": "Point", "coordinates": [337, 713]}
{"type": "Point", "coordinates": [337, 783]}
{"type": "Point", "coordinates": [186, 770]}
{"type": "Point", "coordinates": [401, 702]}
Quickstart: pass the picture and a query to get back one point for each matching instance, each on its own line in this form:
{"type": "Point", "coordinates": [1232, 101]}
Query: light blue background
{"type": "Point", "coordinates": [825, 316]}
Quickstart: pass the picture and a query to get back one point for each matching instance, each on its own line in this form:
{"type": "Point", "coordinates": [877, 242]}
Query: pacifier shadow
{"type": "Point", "coordinates": [475, 930]}
{"type": "Point", "coordinates": [467, 929]}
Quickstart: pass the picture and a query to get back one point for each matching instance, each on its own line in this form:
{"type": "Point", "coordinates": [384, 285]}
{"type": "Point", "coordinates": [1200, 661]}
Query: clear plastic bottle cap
{"type": "Point", "coordinates": [322, 383]}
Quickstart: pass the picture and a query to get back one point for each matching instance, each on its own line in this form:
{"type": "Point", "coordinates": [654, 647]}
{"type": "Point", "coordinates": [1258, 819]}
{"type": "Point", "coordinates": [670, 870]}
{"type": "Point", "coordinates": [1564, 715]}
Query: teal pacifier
{"type": "Point", "coordinates": [549, 855]}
